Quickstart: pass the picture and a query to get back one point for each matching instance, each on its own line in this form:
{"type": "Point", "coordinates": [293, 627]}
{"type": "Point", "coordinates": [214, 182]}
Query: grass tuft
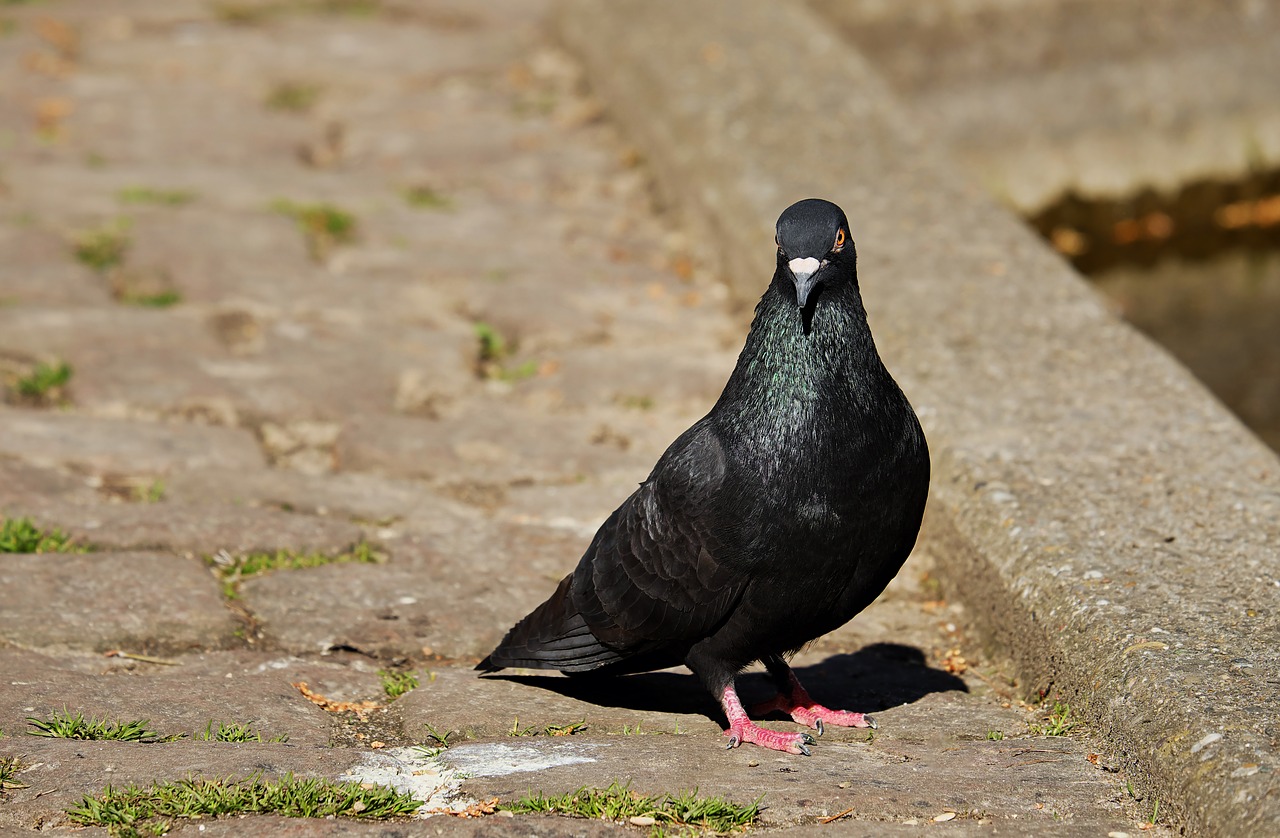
{"type": "Point", "coordinates": [235, 732]}
{"type": "Point", "coordinates": [293, 96]}
{"type": "Point", "coordinates": [239, 13]}
{"type": "Point", "coordinates": [103, 248]}
{"type": "Point", "coordinates": [20, 535]}
{"type": "Point", "coordinates": [66, 726]}
{"type": "Point", "coordinates": [137, 811]}
{"type": "Point", "coordinates": [324, 226]}
{"type": "Point", "coordinates": [396, 684]}
{"type": "Point", "coordinates": [233, 569]}
{"type": "Point", "coordinates": [424, 197]}
{"type": "Point", "coordinates": [620, 803]}
{"type": "Point", "coordinates": [492, 355]}
{"type": "Point", "coordinates": [160, 299]}
{"type": "Point", "coordinates": [162, 197]}
{"type": "Point", "coordinates": [45, 383]}
{"type": "Point", "coordinates": [9, 767]}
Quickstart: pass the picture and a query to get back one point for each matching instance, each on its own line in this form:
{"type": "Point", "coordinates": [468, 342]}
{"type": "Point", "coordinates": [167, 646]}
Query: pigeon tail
{"type": "Point", "coordinates": [554, 636]}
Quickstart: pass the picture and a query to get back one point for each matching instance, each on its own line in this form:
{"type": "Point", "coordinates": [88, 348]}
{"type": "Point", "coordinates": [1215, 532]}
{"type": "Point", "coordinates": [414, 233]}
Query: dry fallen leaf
{"type": "Point", "coordinates": [359, 708]}
{"type": "Point", "coordinates": [476, 810]}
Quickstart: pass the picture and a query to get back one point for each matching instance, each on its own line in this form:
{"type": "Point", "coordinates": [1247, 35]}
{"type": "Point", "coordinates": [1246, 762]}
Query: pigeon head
{"type": "Point", "coordinates": [814, 245]}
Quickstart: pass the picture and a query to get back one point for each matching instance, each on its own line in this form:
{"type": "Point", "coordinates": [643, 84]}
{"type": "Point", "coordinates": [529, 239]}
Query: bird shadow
{"type": "Point", "coordinates": [876, 677]}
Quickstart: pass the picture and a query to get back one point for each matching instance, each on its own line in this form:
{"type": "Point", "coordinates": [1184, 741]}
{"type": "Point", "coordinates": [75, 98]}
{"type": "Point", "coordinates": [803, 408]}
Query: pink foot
{"type": "Point", "coordinates": [799, 706]}
{"type": "Point", "coordinates": [791, 743]}
{"type": "Point", "coordinates": [741, 729]}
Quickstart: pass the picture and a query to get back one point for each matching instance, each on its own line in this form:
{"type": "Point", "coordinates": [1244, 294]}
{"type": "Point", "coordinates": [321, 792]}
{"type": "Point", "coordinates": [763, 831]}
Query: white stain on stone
{"type": "Point", "coordinates": [412, 771]}
{"type": "Point", "coordinates": [1205, 742]}
{"type": "Point", "coordinates": [492, 760]}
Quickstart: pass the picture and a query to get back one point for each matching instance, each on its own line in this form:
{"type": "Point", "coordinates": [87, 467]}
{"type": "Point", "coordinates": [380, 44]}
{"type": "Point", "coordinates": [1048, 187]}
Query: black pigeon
{"type": "Point", "coordinates": [774, 519]}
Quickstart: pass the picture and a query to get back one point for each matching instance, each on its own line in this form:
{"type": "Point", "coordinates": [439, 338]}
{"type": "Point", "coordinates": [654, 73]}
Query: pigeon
{"type": "Point", "coordinates": [773, 520]}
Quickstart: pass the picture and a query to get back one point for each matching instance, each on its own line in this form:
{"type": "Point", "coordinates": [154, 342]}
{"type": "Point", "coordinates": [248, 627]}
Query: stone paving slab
{"type": "Point", "coordinates": [120, 446]}
{"type": "Point", "coordinates": [183, 698]}
{"type": "Point", "coordinates": [63, 772]}
{"type": "Point", "coordinates": [202, 529]}
{"type": "Point", "coordinates": [147, 602]}
{"type": "Point", "coordinates": [452, 603]}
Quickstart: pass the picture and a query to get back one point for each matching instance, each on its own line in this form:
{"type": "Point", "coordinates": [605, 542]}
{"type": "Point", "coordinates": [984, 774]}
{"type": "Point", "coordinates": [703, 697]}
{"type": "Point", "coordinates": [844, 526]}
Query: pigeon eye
{"type": "Point", "coordinates": [839, 245]}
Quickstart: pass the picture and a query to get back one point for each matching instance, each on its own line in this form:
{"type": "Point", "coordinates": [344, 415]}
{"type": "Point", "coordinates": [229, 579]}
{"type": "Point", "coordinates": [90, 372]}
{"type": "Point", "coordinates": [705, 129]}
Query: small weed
{"type": "Point", "coordinates": [516, 730]}
{"type": "Point", "coordinates": [44, 385]}
{"type": "Point", "coordinates": [66, 726]}
{"type": "Point", "coordinates": [162, 197]}
{"type": "Point", "coordinates": [233, 569]}
{"type": "Point", "coordinates": [627, 730]}
{"type": "Point", "coordinates": [493, 353]}
{"type": "Point", "coordinates": [636, 402]}
{"type": "Point", "coordinates": [396, 684]}
{"type": "Point", "coordinates": [441, 738]}
{"type": "Point", "coordinates": [153, 492]}
{"type": "Point", "coordinates": [995, 735]}
{"type": "Point", "coordinates": [1155, 813]}
{"type": "Point", "coordinates": [9, 767]}
{"type": "Point", "coordinates": [620, 803]}
{"type": "Point", "coordinates": [160, 299]}
{"type": "Point", "coordinates": [424, 197]}
{"type": "Point", "coordinates": [323, 225]}
{"type": "Point", "coordinates": [294, 97]}
{"type": "Point", "coordinates": [241, 14]}
{"type": "Point", "coordinates": [234, 732]}
{"type": "Point", "coordinates": [1059, 723]}
{"type": "Point", "coordinates": [255, 14]}
{"type": "Point", "coordinates": [103, 248]}
{"type": "Point", "coordinates": [20, 535]}
{"type": "Point", "coordinates": [142, 810]}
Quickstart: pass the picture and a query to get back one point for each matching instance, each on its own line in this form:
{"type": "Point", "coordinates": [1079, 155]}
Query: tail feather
{"type": "Point", "coordinates": [554, 636]}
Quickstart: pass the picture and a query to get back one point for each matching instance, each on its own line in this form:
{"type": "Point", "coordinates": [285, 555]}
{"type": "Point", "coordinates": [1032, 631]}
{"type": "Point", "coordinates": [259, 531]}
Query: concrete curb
{"type": "Point", "coordinates": [1113, 528]}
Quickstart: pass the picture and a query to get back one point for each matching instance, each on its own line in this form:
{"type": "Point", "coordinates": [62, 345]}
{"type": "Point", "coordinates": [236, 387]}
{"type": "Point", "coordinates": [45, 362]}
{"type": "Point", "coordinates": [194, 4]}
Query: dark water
{"type": "Point", "coordinates": [1220, 317]}
{"type": "Point", "coordinates": [1198, 271]}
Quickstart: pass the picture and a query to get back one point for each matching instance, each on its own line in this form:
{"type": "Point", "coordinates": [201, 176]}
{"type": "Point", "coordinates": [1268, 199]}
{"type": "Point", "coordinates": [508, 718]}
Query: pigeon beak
{"type": "Point", "coordinates": [802, 273]}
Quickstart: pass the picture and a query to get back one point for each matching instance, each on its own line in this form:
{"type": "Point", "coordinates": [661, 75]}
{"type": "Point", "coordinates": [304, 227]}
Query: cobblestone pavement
{"type": "Point", "coordinates": [377, 285]}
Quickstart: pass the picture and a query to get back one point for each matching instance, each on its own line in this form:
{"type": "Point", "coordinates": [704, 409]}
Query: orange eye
{"type": "Point", "coordinates": [839, 245]}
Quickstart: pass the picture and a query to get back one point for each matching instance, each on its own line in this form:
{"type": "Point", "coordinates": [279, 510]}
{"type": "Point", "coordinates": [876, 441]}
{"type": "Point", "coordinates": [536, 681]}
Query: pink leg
{"type": "Point", "coordinates": [795, 701]}
{"type": "Point", "coordinates": [742, 730]}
